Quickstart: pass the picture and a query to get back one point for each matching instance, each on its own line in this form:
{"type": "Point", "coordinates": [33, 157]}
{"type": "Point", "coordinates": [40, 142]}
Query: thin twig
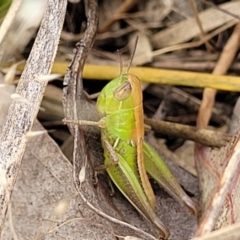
{"type": "Point", "coordinates": [73, 93]}
{"type": "Point", "coordinates": [222, 66]}
{"type": "Point", "coordinates": [196, 43]}
{"type": "Point", "coordinates": [114, 220]}
{"type": "Point", "coordinates": [194, 8]}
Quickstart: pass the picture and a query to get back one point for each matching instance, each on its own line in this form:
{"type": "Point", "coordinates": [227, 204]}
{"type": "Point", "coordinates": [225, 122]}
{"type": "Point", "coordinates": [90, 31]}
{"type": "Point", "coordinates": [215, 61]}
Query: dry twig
{"type": "Point", "coordinates": [21, 115]}
{"type": "Point", "coordinates": [203, 136]}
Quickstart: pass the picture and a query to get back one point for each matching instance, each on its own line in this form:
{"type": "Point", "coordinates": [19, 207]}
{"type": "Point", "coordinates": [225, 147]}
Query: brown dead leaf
{"type": "Point", "coordinates": [120, 8]}
{"type": "Point", "coordinates": [188, 29]}
{"type": "Point", "coordinates": [185, 156]}
{"type": "Point", "coordinates": [218, 169]}
{"type": "Point", "coordinates": [227, 233]}
{"type": "Point", "coordinates": [44, 181]}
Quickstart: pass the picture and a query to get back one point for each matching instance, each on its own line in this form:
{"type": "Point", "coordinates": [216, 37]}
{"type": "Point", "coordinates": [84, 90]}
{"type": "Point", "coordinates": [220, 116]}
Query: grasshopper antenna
{"type": "Point", "coordinates": [120, 62]}
{"type": "Point", "coordinates": [133, 53]}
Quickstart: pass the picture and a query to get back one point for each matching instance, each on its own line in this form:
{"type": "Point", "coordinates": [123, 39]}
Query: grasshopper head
{"type": "Point", "coordinates": [123, 92]}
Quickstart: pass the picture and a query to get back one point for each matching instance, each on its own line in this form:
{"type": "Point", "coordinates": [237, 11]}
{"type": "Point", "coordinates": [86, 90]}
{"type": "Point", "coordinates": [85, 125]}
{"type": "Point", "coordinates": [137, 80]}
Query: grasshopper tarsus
{"type": "Point", "coordinates": [191, 205]}
{"type": "Point", "coordinates": [112, 191]}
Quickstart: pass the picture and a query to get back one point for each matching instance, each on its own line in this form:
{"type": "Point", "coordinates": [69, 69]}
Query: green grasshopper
{"type": "Point", "coordinates": [128, 158]}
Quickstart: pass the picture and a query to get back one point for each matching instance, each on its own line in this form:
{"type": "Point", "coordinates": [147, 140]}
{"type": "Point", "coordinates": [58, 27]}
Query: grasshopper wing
{"type": "Point", "coordinates": [128, 183]}
{"type": "Point", "coordinates": [159, 171]}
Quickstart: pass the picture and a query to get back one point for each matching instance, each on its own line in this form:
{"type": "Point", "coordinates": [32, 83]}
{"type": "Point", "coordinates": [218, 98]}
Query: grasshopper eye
{"type": "Point", "coordinates": [123, 92]}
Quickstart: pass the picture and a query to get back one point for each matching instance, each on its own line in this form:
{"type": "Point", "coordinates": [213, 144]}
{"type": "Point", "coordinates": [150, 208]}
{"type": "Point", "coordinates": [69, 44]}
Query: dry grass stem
{"type": "Point", "coordinates": [193, 5]}
{"type": "Point", "coordinates": [224, 62]}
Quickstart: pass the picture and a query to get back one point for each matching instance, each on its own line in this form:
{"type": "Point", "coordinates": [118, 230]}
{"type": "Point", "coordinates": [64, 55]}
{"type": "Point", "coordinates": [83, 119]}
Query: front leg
{"type": "Point", "coordinates": [112, 153]}
{"type": "Point", "coordinates": [101, 123]}
{"type": "Point", "coordinates": [108, 147]}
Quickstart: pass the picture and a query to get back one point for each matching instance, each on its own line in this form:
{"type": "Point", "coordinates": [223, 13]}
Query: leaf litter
{"type": "Point", "coordinates": [45, 179]}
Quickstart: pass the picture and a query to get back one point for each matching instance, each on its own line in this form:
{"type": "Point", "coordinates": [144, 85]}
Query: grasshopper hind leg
{"type": "Point", "coordinates": [160, 172]}
{"type": "Point", "coordinates": [128, 182]}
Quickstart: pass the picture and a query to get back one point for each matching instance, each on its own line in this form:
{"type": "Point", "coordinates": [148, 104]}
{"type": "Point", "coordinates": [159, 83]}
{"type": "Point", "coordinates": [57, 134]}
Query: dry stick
{"type": "Point", "coordinates": [194, 8]}
{"type": "Point", "coordinates": [203, 136]}
{"type": "Point", "coordinates": [21, 115]}
{"type": "Point", "coordinates": [224, 63]}
{"type": "Point", "coordinates": [208, 221]}
{"type": "Point", "coordinates": [73, 92]}
{"type": "Point", "coordinates": [188, 65]}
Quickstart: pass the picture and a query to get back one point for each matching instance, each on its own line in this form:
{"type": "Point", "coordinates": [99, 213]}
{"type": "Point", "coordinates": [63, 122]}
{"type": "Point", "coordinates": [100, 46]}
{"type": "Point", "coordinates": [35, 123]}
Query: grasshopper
{"type": "Point", "coordinates": [128, 158]}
